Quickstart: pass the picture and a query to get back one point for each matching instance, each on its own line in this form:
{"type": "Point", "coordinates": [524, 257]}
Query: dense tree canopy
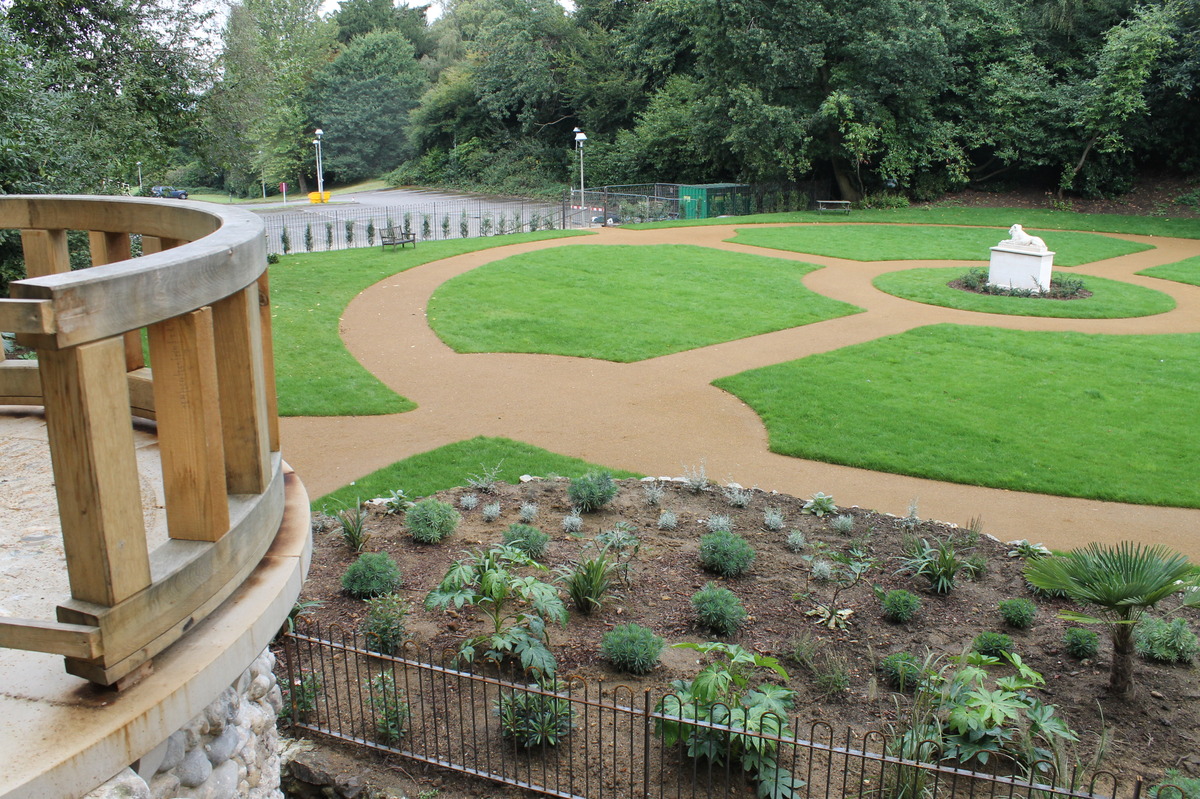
{"type": "Point", "coordinates": [915, 96]}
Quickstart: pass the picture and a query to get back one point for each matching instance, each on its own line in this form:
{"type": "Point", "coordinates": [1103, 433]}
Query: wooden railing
{"type": "Point", "coordinates": [200, 292]}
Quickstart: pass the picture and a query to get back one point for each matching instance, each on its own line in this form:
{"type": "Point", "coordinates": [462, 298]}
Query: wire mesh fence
{"type": "Point", "coordinates": [581, 739]}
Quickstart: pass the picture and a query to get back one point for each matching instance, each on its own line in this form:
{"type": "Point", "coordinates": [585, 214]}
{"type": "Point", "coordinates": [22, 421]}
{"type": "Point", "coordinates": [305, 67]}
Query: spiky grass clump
{"type": "Point", "coordinates": [632, 648]}
{"type": "Point", "coordinates": [592, 492]}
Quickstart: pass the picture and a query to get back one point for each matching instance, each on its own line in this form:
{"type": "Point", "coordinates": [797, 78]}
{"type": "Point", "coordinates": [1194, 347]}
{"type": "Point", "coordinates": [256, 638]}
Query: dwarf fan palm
{"type": "Point", "coordinates": [1121, 583]}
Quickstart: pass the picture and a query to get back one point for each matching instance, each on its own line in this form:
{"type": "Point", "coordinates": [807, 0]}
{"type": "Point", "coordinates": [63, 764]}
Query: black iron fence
{"type": "Point", "coordinates": [323, 228]}
{"type": "Point", "coordinates": [427, 709]}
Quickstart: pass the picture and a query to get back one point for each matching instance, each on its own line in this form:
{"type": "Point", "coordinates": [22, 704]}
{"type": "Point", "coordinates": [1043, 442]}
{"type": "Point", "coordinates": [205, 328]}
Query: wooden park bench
{"type": "Point", "coordinates": [397, 238]}
{"type": "Point", "coordinates": [833, 205]}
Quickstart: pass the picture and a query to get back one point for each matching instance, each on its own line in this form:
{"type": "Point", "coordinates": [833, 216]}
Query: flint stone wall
{"type": "Point", "coordinates": [229, 751]}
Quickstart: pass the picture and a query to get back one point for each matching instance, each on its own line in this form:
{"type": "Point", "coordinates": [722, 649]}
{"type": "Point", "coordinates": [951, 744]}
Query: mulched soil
{"type": "Point", "coordinates": [1158, 727]}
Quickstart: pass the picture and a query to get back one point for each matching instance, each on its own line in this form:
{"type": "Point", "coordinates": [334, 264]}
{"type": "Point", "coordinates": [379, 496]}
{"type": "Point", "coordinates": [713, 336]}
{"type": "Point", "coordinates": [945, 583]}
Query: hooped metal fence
{"type": "Point", "coordinates": [423, 707]}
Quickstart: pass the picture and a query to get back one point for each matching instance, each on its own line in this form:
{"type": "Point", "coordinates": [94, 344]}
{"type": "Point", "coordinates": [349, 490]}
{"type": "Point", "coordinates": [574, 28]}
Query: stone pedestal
{"type": "Point", "coordinates": [1014, 266]}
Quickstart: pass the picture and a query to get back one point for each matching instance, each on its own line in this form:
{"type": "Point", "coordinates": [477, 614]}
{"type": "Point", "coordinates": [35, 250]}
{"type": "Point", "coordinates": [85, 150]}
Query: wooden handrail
{"type": "Point", "coordinates": [200, 293]}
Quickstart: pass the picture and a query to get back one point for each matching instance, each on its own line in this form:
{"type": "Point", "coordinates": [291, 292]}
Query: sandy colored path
{"type": "Point", "coordinates": [661, 415]}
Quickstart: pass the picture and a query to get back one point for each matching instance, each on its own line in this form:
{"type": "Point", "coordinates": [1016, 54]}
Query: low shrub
{"type": "Point", "coordinates": [431, 520]}
{"type": "Point", "coordinates": [572, 522]}
{"type": "Point", "coordinates": [820, 504]}
{"type": "Point", "coordinates": [528, 539]}
{"type": "Point", "coordinates": [468, 501]}
{"type": "Point", "coordinates": [653, 492]}
{"type": "Point", "coordinates": [718, 522]}
{"type": "Point", "coordinates": [842, 523]}
{"type": "Point", "coordinates": [797, 541]}
{"type": "Point", "coordinates": [384, 626]}
{"type": "Point", "coordinates": [373, 574]}
{"type": "Point", "coordinates": [632, 648]}
{"type": "Point", "coordinates": [491, 512]}
{"type": "Point", "coordinates": [831, 674]}
{"type": "Point", "coordinates": [737, 497]}
{"type": "Point", "coordinates": [1175, 785]}
{"type": "Point", "coordinates": [1080, 643]}
{"type": "Point", "coordinates": [1018, 613]}
{"type": "Point", "coordinates": [901, 670]}
{"type": "Point", "coordinates": [992, 644]}
{"type": "Point", "coordinates": [588, 582]}
{"type": "Point", "coordinates": [939, 563]}
{"type": "Point", "coordinates": [528, 512]}
{"type": "Point", "coordinates": [592, 492]}
{"type": "Point", "coordinates": [726, 554]}
{"type": "Point", "coordinates": [773, 519]}
{"type": "Point", "coordinates": [719, 609]}
{"type": "Point", "coordinates": [803, 648]}
{"type": "Point", "coordinates": [667, 520]}
{"type": "Point", "coordinates": [1165, 642]}
{"type": "Point", "coordinates": [389, 707]}
{"type": "Point", "coordinates": [535, 719]}
{"type": "Point", "coordinates": [900, 605]}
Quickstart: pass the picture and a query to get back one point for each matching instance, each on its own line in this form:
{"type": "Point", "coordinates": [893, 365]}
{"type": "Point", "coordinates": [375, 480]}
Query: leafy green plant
{"type": "Point", "coordinates": [384, 626]}
{"type": "Point", "coordinates": [747, 719]}
{"type": "Point", "coordinates": [1121, 583]}
{"type": "Point", "coordinates": [300, 696]}
{"type": "Point", "coordinates": [667, 520]}
{"type": "Point", "coordinates": [632, 648]}
{"type": "Point", "coordinates": [898, 605]}
{"type": "Point", "coordinates": [589, 582]}
{"type": "Point", "coordinates": [1174, 785]}
{"type": "Point", "coordinates": [490, 512]}
{"type": "Point", "coordinates": [1081, 644]}
{"type": "Point", "coordinates": [719, 609]}
{"type": "Point", "coordinates": [726, 554]}
{"type": "Point", "coordinates": [939, 563]}
{"type": "Point", "coordinates": [592, 492]}
{"type": "Point", "coordinates": [1019, 613]}
{"type": "Point", "coordinates": [518, 607]}
{"type": "Point", "coordinates": [1165, 642]}
{"type": "Point", "coordinates": [773, 519]}
{"type": "Point", "coordinates": [352, 522]}
{"type": "Point", "coordinates": [901, 670]}
{"type": "Point", "coordinates": [431, 520]}
{"type": "Point", "coordinates": [537, 715]}
{"type": "Point", "coordinates": [301, 610]}
{"type": "Point", "coordinates": [395, 502]}
{"type": "Point", "coordinates": [530, 540]}
{"type": "Point", "coordinates": [1021, 548]}
{"type": "Point", "coordinates": [389, 708]}
{"type": "Point", "coordinates": [373, 574]}
{"type": "Point", "coordinates": [527, 512]}
{"type": "Point", "coordinates": [842, 570]}
{"type": "Point", "coordinates": [819, 504]}
{"type": "Point", "coordinates": [992, 644]}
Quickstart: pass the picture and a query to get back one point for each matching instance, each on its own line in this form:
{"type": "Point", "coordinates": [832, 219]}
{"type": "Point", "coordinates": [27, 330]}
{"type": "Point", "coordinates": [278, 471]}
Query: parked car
{"type": "Point", "coordinates": [168, 191]}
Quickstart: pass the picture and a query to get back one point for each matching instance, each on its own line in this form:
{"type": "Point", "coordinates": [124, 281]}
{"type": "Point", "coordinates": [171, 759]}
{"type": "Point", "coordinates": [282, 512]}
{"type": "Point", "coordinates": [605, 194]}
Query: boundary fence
{"type": "Point", "coordinates": [425, 708]}
{"type": "Point", "coordinates": [322, 228]}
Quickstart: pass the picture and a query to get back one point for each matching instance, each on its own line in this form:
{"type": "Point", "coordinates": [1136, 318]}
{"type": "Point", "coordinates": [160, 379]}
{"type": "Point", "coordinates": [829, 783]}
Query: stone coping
{"type": "Point", "coordinates": [61, 736]}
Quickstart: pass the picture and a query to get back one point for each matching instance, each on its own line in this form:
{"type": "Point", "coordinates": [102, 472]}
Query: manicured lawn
{"type": "Point", "coordinates": [1098, 416]}
{"type": "Point", "coordinates": [892, 243]}
{"type": "Point", "coordinates": [315, 374]}
{"type": "Point", "coordinates": [984, 217]}
{"type": "Point", "coordinates": [1185, 271]}
{"type": "Point", "coordinates": [1111, 299]}
{"type": "Point", "coordinates": [621, 303]}
{"type": "Point", "coordinates": [450, 466]}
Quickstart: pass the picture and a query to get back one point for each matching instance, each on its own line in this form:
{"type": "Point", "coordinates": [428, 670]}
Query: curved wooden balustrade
{"type": "Point", "coordinates": [200, 293]}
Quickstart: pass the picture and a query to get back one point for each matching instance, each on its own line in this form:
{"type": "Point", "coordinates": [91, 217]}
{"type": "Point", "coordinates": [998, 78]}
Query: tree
{"type": "Point", "coordinates": [362, 100]}
{"type": "Point", "coordinates": [356, 18]}
{"type": "Point", "coordinates": [1121, 582]}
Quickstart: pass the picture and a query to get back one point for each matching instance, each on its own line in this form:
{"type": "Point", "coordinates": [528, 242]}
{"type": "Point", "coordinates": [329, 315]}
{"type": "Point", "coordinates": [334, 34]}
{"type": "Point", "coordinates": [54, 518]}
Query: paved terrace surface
{"type": "Point", "coordinates": [660, 415]}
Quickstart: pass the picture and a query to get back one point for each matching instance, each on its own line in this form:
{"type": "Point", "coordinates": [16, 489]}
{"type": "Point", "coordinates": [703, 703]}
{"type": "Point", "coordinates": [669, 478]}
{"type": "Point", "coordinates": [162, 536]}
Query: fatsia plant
{"type": "Point", "coordinates": [518, 607]}
{"type": "Point", "coordinates": [1120, 583]}
{"type": "Point", "coordinates": [738, 724]}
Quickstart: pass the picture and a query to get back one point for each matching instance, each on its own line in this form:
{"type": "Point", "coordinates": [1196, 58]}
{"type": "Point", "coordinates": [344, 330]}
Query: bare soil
{"type": "Point", "coordinates": [1156, 728]}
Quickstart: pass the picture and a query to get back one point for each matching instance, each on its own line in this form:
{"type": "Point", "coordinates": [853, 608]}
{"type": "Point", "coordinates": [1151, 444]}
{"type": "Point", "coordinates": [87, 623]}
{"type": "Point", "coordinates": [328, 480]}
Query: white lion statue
{"type": "Point", "coordinates": [1017, 236]}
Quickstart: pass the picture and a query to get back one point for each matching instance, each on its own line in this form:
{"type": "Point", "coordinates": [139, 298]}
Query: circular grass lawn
{"type": "Point", "coordinates": [927, 242]}
{"type": "Point", "coordinates": [1111, 299]}
{"type": "Point", "coordinates": [624, 303]}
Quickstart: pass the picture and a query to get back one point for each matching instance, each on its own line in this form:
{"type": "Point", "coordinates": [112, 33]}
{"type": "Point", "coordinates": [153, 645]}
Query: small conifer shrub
{"type": "Point", "coordinates": [373, 574]}
{"type": "Point", "coordinates": [632, 648]}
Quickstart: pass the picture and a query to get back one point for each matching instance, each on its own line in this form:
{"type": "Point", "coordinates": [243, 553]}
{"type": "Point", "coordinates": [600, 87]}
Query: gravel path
{"type": "Point", "coordinates": [661, 415]}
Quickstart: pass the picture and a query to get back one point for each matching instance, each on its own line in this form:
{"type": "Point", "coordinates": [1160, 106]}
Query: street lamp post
{"type": "Point", "coordinates": [580, 138]}
{"type": "Point", "coordinates": [320, 166]}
